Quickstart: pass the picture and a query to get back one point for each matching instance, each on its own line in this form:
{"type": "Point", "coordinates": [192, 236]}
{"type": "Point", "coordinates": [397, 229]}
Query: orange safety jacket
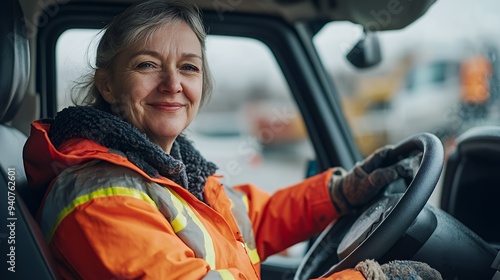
{"type": "Point", "coordinates": [104, 218]}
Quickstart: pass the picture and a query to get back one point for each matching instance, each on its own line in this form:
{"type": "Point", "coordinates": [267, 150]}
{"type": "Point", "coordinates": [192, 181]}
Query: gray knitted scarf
{"type": "Point", "coordinates": [184, 165]}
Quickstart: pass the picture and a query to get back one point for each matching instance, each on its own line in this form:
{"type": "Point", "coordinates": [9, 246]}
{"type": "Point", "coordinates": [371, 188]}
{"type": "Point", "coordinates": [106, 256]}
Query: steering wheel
{"type": "Point", "coordinates": [377, 229]}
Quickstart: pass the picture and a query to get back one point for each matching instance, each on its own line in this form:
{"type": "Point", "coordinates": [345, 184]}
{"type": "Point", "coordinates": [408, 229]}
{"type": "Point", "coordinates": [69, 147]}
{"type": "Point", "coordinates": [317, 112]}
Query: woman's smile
{"type": "Point", "coordinates": [167, 106]}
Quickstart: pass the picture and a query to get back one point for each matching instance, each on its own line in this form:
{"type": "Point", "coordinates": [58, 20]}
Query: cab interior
{"type": "Point", "coordinates": [32, 30]}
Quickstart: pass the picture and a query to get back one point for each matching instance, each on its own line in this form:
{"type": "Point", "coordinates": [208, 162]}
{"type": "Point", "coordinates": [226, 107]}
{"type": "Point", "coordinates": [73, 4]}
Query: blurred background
{"type": "Point", "coordinates": [440, 74]}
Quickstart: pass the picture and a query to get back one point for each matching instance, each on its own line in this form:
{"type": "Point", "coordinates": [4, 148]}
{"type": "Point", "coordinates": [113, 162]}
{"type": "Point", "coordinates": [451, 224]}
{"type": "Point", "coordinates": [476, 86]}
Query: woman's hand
{"type": "Point", "coordinates": [353, 189]}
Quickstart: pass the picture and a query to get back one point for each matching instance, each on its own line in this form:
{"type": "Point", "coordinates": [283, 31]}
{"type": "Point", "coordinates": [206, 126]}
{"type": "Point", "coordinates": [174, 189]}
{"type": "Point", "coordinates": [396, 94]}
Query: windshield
{"type": "Point", "coordinates": [439, 74]}
{"type": "Point", "coordinates": [434, 73]}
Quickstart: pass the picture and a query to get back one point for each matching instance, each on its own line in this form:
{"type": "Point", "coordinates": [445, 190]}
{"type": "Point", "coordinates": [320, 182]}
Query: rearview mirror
{"type": "Point", "coordinates": [366, 52]}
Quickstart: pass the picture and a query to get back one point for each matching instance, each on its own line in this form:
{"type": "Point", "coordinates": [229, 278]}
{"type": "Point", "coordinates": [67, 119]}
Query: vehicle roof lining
{"type": "Point", "coordinates": [374, 15]}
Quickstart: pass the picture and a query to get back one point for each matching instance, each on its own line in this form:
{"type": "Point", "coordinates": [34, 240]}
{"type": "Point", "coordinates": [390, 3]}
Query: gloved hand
{"type": "Point", "coordinates": [411, 270]}
{"type": "Point", "coordinates": [353, 189]}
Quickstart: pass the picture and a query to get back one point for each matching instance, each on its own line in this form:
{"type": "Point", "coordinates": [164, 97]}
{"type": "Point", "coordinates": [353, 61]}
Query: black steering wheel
{"type": "Point", "coordinates": [372, 233]}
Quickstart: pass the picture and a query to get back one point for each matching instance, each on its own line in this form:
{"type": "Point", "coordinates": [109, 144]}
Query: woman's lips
{"type": "Point", "coordinates": [167, 106]}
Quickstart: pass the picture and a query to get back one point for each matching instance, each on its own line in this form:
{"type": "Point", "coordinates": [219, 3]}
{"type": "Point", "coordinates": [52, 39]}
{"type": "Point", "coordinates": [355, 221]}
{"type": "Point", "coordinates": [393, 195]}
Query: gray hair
{"type": "Point", "coordinates": [135, 25]}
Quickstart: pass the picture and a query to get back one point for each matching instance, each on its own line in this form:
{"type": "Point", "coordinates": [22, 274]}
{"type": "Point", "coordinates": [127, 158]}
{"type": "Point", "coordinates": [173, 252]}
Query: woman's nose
{"type": "Point", "coordinates": [170, 82]}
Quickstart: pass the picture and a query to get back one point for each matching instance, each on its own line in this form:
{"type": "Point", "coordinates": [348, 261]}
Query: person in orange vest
{"type": "Point", "coordinates": [127, 196]}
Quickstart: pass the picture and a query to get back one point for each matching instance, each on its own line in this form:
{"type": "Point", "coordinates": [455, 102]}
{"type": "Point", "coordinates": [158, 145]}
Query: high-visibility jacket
{"type": "Point", "coordinates": [104, 218]}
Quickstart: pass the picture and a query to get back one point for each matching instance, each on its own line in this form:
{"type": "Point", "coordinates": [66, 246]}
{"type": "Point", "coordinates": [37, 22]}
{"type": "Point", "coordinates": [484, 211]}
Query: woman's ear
{"type": "Point", "coordinates": [103, 83]}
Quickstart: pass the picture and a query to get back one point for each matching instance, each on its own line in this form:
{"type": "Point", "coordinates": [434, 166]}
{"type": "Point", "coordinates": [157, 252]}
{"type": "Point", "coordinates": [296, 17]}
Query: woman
{"type": "Point", "coordinates": [128, 196]}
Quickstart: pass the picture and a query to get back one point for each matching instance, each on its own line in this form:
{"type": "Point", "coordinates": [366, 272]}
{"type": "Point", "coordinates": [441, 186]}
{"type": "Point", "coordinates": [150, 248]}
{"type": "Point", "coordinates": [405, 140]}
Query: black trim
{"type": "Point", "coordinates": [343, 140]}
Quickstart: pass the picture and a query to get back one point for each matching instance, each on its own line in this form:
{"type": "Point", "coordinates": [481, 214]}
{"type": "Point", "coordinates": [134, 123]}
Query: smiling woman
{"type": "Point", "coordinates": [258, 168]}
{"type": "Point", "coordinates": [127, 175]}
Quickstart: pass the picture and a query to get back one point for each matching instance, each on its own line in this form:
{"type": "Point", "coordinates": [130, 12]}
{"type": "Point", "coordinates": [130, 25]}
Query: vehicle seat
{"type": "Point", "coordinates": [471, 184]}
{"type": "Point", "coordinates": [22, 245]}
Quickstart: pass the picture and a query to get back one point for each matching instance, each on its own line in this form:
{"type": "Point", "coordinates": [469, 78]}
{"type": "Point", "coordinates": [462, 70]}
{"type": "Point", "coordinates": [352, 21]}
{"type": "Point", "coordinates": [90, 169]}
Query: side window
{"type": "Point", "coordinates": [251, 127]}
{"type": "Point", "coordinates": [75, 51]}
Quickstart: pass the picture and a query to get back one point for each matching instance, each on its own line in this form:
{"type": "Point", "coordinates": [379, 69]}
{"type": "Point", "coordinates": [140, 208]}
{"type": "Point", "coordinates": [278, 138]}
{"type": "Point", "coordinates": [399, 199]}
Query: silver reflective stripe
{"type": "Point", "coordinates": [221, 274]}
{"type": "Point", "coordinates": [185, 223]}
{"type": "Point", "coordinates": [239, 209]}
{"type": "Point", "coordinates": [78, 184]}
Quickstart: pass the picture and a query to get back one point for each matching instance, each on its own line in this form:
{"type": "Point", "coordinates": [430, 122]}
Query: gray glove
{"type": "Point", "coordinates": [353, 189]}
{"type": "Point", "coordinates": [411, 270]}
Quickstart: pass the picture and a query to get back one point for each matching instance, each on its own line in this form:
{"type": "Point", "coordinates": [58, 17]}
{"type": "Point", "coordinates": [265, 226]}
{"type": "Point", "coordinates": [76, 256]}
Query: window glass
{"type": "Point", "coordinates": [251, 127]}
{"type": "Point", "coordinates": [75, 53]}
{"type": "Point", "coordinates": [439, 74]}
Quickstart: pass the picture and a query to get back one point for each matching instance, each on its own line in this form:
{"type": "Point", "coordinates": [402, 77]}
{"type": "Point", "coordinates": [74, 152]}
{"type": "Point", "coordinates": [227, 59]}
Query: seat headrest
{"type": "Point", "coordinates": [481, 141]}
{"type": "Point", "coordinates": [14, 59]}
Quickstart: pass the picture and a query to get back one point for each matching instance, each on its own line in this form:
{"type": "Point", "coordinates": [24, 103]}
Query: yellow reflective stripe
{"type": "Point", "coordinates": [209, 246]}
{"type": "Point", "coordinates": [225, 274]}
{"type": "Point", "coordinates": [111, 191]}
{"type": "Point", "coordinates": [253, 254]}
{"type": "Point", "coordinates": [179, 222]}
{"type": "Point", "coordinates": [245, 201]}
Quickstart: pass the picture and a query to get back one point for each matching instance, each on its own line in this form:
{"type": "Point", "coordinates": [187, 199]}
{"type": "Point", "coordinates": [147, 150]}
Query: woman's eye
{"type": "Point", "coordinates": [145, 65]}
{"type": "Point", "coordinates": [190, 67]}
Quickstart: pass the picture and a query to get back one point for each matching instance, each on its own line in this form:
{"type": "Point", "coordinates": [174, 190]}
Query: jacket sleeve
{"type": "Point", "coordinates": [291, 215]}
{"type": "Point", "coordinates": [348, 274]}
{"type": "Point", "coordinates": [121, 237]}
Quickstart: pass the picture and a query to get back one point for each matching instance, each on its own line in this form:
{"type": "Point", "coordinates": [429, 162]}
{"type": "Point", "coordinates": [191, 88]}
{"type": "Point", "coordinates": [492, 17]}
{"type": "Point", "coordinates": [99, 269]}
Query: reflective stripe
{"type": "Point", "coordinates": [245, 202]}
{"type": "Point", "coordinates": [180, 221]}
{"type": "Point", "coordinates": [222, 274]}
{"type": "Point", "coordinates": [207, 239]}
{"type": "Point", "coordinates": [112, 191]}
{"type": "Point", "coordinates": [79, 184]}
{"type": "Point", "coordinates": [225, 274]}
{"type": "Point", "coordinates": [239, 209]}
{"type": "Point", "coordinates": [253, 254]}
{"type": "Point", "coordinates": [184, 222]}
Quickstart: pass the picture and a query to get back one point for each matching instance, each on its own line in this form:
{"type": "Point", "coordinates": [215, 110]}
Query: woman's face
{"type": "Point", "coordinates": [157, 85]}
